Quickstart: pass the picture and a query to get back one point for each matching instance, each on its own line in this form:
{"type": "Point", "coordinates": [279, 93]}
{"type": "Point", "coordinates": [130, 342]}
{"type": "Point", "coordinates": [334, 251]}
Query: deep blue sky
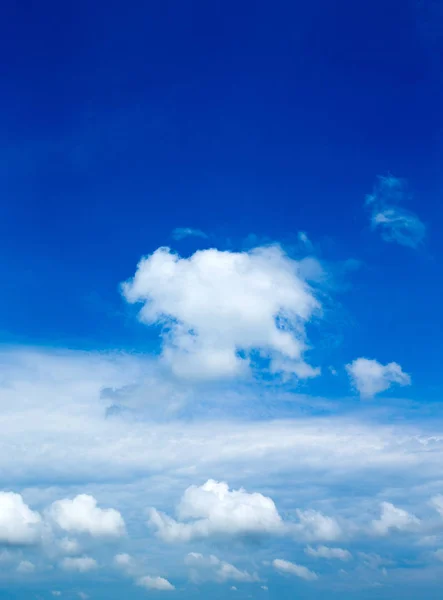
{"type": "Point", "coordinates": [121, 122]}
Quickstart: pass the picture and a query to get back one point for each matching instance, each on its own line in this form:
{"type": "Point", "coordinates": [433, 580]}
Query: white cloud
{"type": "Point", "coordinates": [233, 588]}
{"type": "Point", "coordinates": [155, 583]}
{"type": "Point", "coordinates": [212, 568]}
{"type": "Point", "coordinates": [25, 566]}
{"type": "Point", "coordinates": [326, 552]}
{"type": "Point", "coordinates": [314, 525]}
{"type": "Point", "coordinates": [284, 566]}
{"type": "Point", "coordinates": [68, 546]}
{"type": "Point", "coordinates": [82, 595]}
{"type": "Point", "coordinates": [214, 509]}
{"type": "Point", "coordinates": [437, 503]}
{"type": "Point", "coordinates": [122, 560]}
{"type": "Point", "coordinates": [216, 308]}
{"type": "Point", "coordinates": [264, 587]}
{"type": "Point", "coordinates": [180, 233]}
{"type": "Point", "coordinates": [81, 515]}
{"type": "Point", "coordinates": [395, 223]}
{"type": "Point", "coordinates": [81, 564]}
{"type": "Point", "coordinates": [392, 517]}
{"type": "Point", "coordinates": [370, 377]}
{"type": "Point", "coordinates": [18, 523]}
{"type": "Point", "coordinates": [56, 593]}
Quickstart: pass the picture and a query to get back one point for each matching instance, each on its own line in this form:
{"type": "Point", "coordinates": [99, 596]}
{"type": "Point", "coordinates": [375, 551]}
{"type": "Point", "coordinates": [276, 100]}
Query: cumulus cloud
{"type": "Point", "coordinates": [392, 517]}
{"type": "Point", "coordinates": [284, 566]}
{"type": "Point", "coordinates": [82, 515]}
{"type": "Point", "coordinates": [155, 583]}
{"type": "Point", "coordinates": [213, 569]}
{"type": "Point", "coordinates": [219, 309]}
{"type": "Point", "coordinates": [395, 223]}
{"type": "Point", "coordinates": [370, 377]}
{"type": "Point", "coordinates": [18, 523]}
{"type": "Point", "coordinates": [214, 509]}
{"type": "Point", "coordinates": [328, 553]}
{"type": "Point", "coordinates": [180, 233]}
{"type": "Point", "coordinates": [81, 564]}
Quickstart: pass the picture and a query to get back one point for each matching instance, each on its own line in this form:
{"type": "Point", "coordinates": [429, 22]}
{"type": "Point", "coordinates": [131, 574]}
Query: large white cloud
{"type": "Point", "coordinates": [284, 566]}
{"type": "Point", "coordinates": [214, 509]}
{"type": "Point", "coordinates": [370, 377]}
{"type": "Point", "coordinates": [212, 568]}
{"type": "Point", "coordinates": [392, 517]}
{"type": "Point", "coordinates": [217, 307]}
{"type": "Point", "coordinates": [395, 223]}
{"type": "Point", "coordinates": [82, 515]}
{"type": "Point", "coordinates": [18, 523]}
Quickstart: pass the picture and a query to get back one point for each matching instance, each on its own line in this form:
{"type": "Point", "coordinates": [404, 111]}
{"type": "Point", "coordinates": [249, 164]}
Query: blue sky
{"type": "Point", "coordinates": [221, 309]}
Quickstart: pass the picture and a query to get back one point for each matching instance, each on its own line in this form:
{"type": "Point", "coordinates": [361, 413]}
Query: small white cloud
{"type": "Point", "coordinates": [212, 568]}
{"type": "Point", "coordinates": [218, 308]}
{"type": "Point", "coordinates": [314, 525]}
{"type": "Point", "coordinates": [233, 588]}
{"type": "Point", "coordinates": [25, 566]}
{"type": "Point", "coordinates": [180, 233]}
{"type": "Point", "coordinates": [122, 560]}
{"type": "Point", "coordinates": [18, 523]}
{"type": "Point", "coordinates": [82, 515]}
{"type": "Point", "coordinates": [284, 566]}
{"type": "Point", "coordinates": [395, 223]}
{"type": "Point", "coordinates": [437, 503]}
{"type": "Point", "coordinates": [264, 587]}
{"type": "Point", "coordinates": [214, 509]}
{"type": "Point", "coordinates": [56, 593]}
{"type": "Point", "coordinates": [155, 583]}
{"type": "Point", "coordinates": [370, 377]}
{"type": "Point", "coordinates": [326, 552]}
{"type": "Point", "coordinates": [83, 596]}
{"type": "Point", "coordinates": [68, 546]}
{"type": "Point", "coordinates": [392, 517]}
{"type": "Point", "coordinates": [80, 564]}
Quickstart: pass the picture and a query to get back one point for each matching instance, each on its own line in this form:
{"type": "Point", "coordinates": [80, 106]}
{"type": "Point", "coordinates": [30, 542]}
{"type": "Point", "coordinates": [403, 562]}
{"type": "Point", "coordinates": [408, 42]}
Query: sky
{"type": "Point", "coordinates": [221, 307]}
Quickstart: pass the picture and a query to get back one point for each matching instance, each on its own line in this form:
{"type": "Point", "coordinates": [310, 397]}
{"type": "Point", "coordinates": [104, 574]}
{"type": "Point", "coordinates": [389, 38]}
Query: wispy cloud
{"type": "Point", "coordinates": [180, 233]}
{"type": "Point", "coordinates": [396, 224]}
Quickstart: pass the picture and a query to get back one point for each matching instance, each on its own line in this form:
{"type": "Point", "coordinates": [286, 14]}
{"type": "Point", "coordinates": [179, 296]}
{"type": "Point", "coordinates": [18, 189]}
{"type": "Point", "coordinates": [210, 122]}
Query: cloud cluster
{"type": "Point", "coordinates": [220, 309]}
{"type": "Point", "coordinates": [370, 377]}
{"type": "Point", "coordinates": [395, 223]}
